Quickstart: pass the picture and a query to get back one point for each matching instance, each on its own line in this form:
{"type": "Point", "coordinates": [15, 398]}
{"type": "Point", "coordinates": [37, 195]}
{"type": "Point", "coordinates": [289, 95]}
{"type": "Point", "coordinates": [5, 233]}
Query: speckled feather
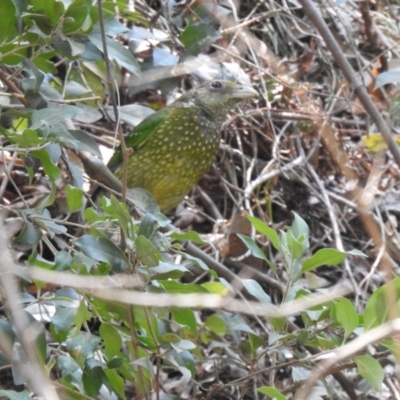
{"type": "Point", "coordinates": [175, 146]}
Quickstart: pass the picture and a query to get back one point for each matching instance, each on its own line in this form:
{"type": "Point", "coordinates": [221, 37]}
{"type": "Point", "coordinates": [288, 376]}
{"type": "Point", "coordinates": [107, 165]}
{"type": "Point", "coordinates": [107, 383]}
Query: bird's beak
{"type": "Point", "coordinates": [243, 92]}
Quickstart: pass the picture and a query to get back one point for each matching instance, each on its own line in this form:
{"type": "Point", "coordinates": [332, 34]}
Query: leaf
{"type": "Point", "coordinates": [143, 200]}
{"type": "Point", "coordinates": [82, 346]}
{"type": "Point", "coordinates": [214, 287]}
{"type": "Point", "coordinates": [323, 257]}
{"type": "Point", "coordinates": [167, 271]}
{"type": "Point", "coordinates": [102, 249]}
{"type": "Point", "coordinates": [186, 362]}
{"type": "Point", "coordinates": [185, 317]}
{"type": "Point", "coordinates": [346, 315]}
{"type": "Point", "coordinates": [357, 253]}
{"type": "Point", "coordinates": [117, 52]}
{"type": "Point", "coordinates": [255, 289]}
{"type": "Point", "coordinates": [216, 324]}
{"type": "Point", "coordinates": [50, 169]}
{"type": "Point", "coordinates": [85, 142]}
{"type": "Point", "coordinates": [183, 345]}
{"type": "Point", "coordinates": [92, 377]}
{"type": "Point", "coordinates": [263, 228]}
{"type": "Point", "coordinates": [252, 246]}
{"type": "Point", "coordinates": [146, 252]}
{"type": "Point", "coordinates": [63, 318]}
{"type": "Point", "coordinates": [237, 323]}
{"type": "Point", "coordinates": [116, 382]}
{"type": "Point", "coordinates": [377, 310]}
{"type": "Point", "coordinates": [111, 27]}
{"type": "Point", "coordinates": [148, 226]}
{"type": "Point", "coordinates": [195, 260]}
{"type": "Point", "coordinates": [386, 78]}
{"type": "Point", "coordinates": [132, 114]}
{"type": "Point", "coordinates": [13, 395]}
{"type": "Point", "coordinates": [112, 340]}
{"type": "Point", "coordinates": [371, 371]}
{"type": "Point", "coordinates": [198, 37]}
{"type": "Point", "coordinates": [181, 288]}
{"type": "Point", "coordinates": [190, 235]}
{"type": "Point", "coordinates": [53, 116]}
{"type": "Point", "coordinates": [299, 227]}
{"type": "Point", "coordinates": [271, 392]}
{"type": "Point", "coordinates": [7, 21]}
{"type": "Point", "coordinates": [29, 235]}
{"type": "Point", "coordinates": [74, 198]}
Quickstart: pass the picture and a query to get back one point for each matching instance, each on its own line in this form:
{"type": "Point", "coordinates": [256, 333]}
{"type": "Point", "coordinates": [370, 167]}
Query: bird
{"type": "Point", "coordinates": [175, 146]}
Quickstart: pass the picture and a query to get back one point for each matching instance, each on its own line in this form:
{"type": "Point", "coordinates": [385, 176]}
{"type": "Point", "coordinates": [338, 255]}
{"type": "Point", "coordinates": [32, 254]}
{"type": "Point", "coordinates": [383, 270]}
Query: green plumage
{"type": "Point", "coordinates": [175, 146]}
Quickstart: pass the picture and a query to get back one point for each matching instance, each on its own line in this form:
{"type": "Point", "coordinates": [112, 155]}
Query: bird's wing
{"type": "Point", "coordinates": [138, 137]}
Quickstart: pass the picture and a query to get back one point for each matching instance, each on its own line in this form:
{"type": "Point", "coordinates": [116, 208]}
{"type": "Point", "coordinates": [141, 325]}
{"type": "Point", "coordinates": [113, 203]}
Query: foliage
{"type": "Point", "coordinates": [110, 340]}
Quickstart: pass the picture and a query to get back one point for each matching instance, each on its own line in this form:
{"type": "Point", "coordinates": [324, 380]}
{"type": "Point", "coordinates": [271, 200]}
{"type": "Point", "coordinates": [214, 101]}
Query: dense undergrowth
{"type": "Point", "coordinates": [276, 277]}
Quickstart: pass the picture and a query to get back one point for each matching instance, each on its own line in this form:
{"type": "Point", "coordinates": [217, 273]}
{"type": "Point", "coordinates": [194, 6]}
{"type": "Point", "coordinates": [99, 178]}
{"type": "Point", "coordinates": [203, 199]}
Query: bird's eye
{"type": "Point", "coordinates": [216, 85]}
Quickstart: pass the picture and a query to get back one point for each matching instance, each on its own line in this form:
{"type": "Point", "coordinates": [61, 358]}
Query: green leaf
{"type": "Point", "coordinates": [346, 315]}
{"type": "Point", "coordinates": [299, 227]}
{"type": "Point", "coordinates": [255, 342]}
{"type": "Point", "coordinates": [216, 324]}
{"type": "Point", "coordinates": [252, 246]}
{"type": "Point", "coordinates": [183, 345]}
{"type": "Point", "coordinates": [84, 142]}
{"type": "Point", "coordinates": [377, 310]}
{"type": "Point", "coordinates": [143, 200]}
{"type": "Point", "coordinates": [293, 244]}
{"type": "Point", "coordinates": [271, 392]}
{"type": "Point", "coordinates": [51, 170]}
{"type": "Point", "coordinates": [191, 236]}
{"type": "Point", "coordinates": [77, 17]}
{"type": "Point", "coordinates": [186, 362]}
{"type": "Point", "coordinates": [27, 139]}
{"type": "Point", "coordinates": [215, 287]}
{"type": "Point", "coordinates": [181, 288]}
{"type": "Point", "coordinates": [29, 235]}
{"type": "Point", "coordinates": [323, 257]}
{"type": "Point", "coordinates": [237, 323]}
{"type": "Point", "coordinates": [53, 116]}
{"type": "Point", "coordinates": [7, 21]}
{"type": "Point", "coordinates": [146, 252]}
{"type": "Point", "coordinates": [170, 338]}
{"type": "Point", "coordinates": [74, 198]}
{"type": "Point", "coordinates": [92, 377]}
{"type": "Point", "coordinates": [115, 362]}
{"type": "Point", "coordinates": [112, 27]}
{"type": "Point", "coordinates": [185, 316]}
{"type": "Point", "coordinates": [263, 228]}
{"type": "Point", "coordinates": [82, 315]}
{"type": "Point", "coordinates": [82, 346]}
{"type": "Point", "coordinates": [102, 249]}
{"type": "Point", "coordinates": [117, 382]}
{"type": "Point", "coordinates": [121, 213]}
{"type": "Point", "coordinates": [148, 225]}
{"type": "Point", "coordinates": [371, 371]}
{"type": "Point", "coordinates": [39, 342]}
{"type": "Point", "coordinates": [117, 52]}
{"type": "Point", "coordinates": [198, 37]}
{"type": "Point", "coordinates": [63, 319]}
{"type": "Point", "coordinates": [167, 271]}
{"type": "Point", "coordinates": [255, 289]}
{"type": "Point", "coordinates": [195, 260]}
{"type": "Point", "coordinates": [112, 340]}
{"type": "Point", "coordinates": [67, 365]}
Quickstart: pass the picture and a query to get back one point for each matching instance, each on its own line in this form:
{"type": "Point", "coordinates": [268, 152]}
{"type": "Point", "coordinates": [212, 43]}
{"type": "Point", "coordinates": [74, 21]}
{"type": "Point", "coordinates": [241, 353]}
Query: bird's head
{"type": "Point", "coordinates": [216, 97]}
